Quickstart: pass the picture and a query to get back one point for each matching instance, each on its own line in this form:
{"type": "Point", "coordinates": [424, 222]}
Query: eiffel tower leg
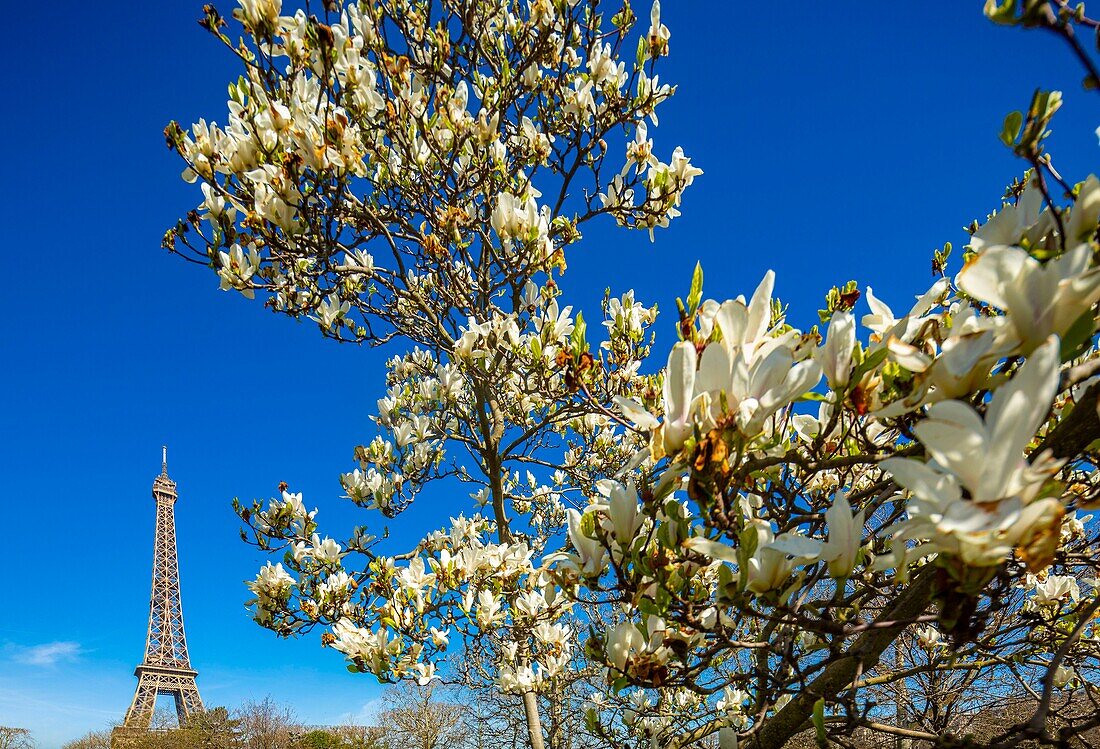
{"type": "Point", "coordinates": [188, 702]}
{"type": "Point", "coordinates": [140, 714]}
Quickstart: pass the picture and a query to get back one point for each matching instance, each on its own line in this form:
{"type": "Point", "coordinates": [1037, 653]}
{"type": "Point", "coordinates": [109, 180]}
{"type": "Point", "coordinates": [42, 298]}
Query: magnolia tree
{"type": "Point", "coordinates": [418, 170]}
{"type": "Point", "coordinates": [832, 530]}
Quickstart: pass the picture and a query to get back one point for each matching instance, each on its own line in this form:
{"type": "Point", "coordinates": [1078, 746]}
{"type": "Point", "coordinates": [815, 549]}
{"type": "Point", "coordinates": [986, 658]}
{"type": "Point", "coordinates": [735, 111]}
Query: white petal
{"type": "Point", "coordinates": [712, 549]}
{"type": "Point", "coordinates": [921, 480]}
{"type": "Point", "coordinates": [732, 318]}
{"type": "Point", "coordinates": [986, 276]}
{"type": "Point", "coordinates": [678, 388]}
{"type": "Point", "coordinates": [1085, 213]}
{"type": "Point", "coordinates": [908, 356]}
{"type": "Point", "coordinates": [878, 307]}
{"type": "Point", "coordinates": [929, 298]}
{"type": "Point", "coordinates": [1019, 407]}
{"type": "Point", "coordinates": [634, 411]}
{"type": "Point", "coordinates": [837, 352]}
{"type": "Point", "coordinates": [797, 546]}
{"type": "Point", "coordinates": [760, 308]}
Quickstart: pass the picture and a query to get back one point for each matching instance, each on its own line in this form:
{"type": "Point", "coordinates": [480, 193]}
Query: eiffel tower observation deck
{"type": "Point", "coordinates": [166, 667]}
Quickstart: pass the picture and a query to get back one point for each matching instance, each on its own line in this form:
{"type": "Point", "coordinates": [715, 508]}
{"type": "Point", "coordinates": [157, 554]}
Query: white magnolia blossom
{"type": "Point", "coordinates": [272, 587]}
{"type": "Point", "coordinates": [836, 354]}
{"type": "Point", "coordinates": [1063, 677]}
{"type": "Point", "coordinates": [237, 268]}
{"type": "Point", "coordinates": [840, 551]}
{"type": "Point", "coordinates": [1039, 299]}
{"type": "Point", "coordinates": [747, 374]}
{"type": "Point", "coordinates": [928, 638]}
{"type": "Point", "coordinates": [985, 457]}
{"type": "Point", "coordinates": [1055, 589]}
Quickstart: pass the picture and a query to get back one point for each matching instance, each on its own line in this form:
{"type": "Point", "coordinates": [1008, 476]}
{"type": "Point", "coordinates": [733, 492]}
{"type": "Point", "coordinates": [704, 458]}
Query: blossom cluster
{"type": "Point", "coordinates": [341, 125]}
{"type": "Point", "coordinates": [934, 445]}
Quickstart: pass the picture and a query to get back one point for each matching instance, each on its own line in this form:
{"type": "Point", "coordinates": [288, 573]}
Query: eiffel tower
{"type": "Point", "coordinates": [166, 668]}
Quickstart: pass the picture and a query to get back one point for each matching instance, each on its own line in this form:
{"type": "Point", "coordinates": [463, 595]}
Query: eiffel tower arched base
{"type": "Point", "coordinates": [153, 681]}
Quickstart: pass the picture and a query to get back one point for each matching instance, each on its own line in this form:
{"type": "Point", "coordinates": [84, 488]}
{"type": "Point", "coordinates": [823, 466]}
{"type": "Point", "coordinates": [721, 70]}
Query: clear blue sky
{"type": "Point", "coordinates": [835, 145]}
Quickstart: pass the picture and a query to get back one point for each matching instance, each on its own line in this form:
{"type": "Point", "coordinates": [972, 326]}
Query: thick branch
{"type": "Point", "coordinates": [1079, 429]}
{"type": "Point", "coordinates": [1068, 439]}
{"type": "Point", "coordinates": [862, 656]}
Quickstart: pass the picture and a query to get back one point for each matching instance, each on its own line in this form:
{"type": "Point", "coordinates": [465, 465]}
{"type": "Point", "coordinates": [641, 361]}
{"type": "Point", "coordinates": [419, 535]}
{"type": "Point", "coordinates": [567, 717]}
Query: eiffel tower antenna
{"type": "Point", "coordinates": [166, 667]}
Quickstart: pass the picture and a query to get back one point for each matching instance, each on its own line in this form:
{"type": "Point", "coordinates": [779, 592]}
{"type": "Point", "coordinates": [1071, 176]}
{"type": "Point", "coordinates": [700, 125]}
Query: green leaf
{"type": "Point", "coordinates": [642, 47]}
{"type": "Point", "coordinates": [1010, 131]}
{"type": "Point", "coordinates": [791, 589]}
{"type": "Point", "coordinates": [588, 524]}
{"type": "Point", "coordinates": [870, 363]}
{"type": "Point", "coordinates": [682, 315]}
{"type": "Point", "coordinates": [725, 576]}
{"type": "Point", "coordinates": [662, 600]}
{"type": "Point", "coordinates": [749, 539]}
{"type": "Point", "coordinates": [819, 720]}
{"type": "Point", "coordinates": [1043, 106]}
{"type": "Point", "coordinates": [1079, 335]}
{"type": "Point", "coordinates": [1003, 12]}
{"type": "Point", "coordinates": [1048, 103]}
{"type": "Point", "coordinates": [577, 337]}
{"type": "Point", "coordinates": [695, 295]}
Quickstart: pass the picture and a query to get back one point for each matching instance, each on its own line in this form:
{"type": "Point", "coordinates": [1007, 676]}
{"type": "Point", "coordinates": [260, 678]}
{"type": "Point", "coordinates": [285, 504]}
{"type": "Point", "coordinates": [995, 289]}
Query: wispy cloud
{"type": "Point", "coordinates": [366, 715]}
{"type": "Point", "coordinates": [46, 654]}
{"type": "Point", "coordinates": [18, 702]}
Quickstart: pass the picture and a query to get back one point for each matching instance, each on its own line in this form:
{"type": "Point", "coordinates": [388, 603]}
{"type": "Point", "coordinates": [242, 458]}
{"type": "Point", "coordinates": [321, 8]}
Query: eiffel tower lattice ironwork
{"type": "Point", "coordinates": [166, 668]}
